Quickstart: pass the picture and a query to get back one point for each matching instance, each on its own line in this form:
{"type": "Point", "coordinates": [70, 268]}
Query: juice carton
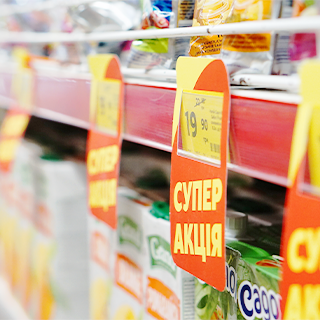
{"type": "Point", "coordinates": [8, 226]}
{"type": "Point", "coordinates": [252, 287]}
{"type": "Point", "coordinates": [169, 289]}
{"type": "Point", "coordinates": [24, 179]}
{"type": "Point", "coordinates": [61, 255]}
{"type": "Point", "coordinates": [258, 276]}
{"type": "Point", "coordinates": [102, 241]}
{"type": "Point", "coordinates": [213, 304]}
{"type": "Point", "coordinates": [128, 292]}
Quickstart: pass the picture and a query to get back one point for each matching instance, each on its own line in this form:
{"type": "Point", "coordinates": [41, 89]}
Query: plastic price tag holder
{"type": "Point", "coordinates": [108, 105]}
{"type": "Point", "coordinates": [300, 285]}
{"type": "Point", "coordinates": [200, 124]}
{"type": "Point", "coordinates": [104, 138]}
{"type": "Point", "coordinates": [199, 169]}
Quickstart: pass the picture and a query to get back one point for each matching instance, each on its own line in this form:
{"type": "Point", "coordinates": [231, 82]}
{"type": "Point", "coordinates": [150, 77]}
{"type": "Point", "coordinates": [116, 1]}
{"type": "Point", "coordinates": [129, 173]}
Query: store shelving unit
{"type": "Point", "coordinates": [261, 122]}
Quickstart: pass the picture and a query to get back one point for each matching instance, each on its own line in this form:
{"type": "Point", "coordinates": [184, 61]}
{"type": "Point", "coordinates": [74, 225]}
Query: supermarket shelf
{"type": "Point", "coordinates": [301, 24]}
{"type": "Point", "coordinates": [261, 123]}
{"type": "Point", "coordinates": [10, 309]}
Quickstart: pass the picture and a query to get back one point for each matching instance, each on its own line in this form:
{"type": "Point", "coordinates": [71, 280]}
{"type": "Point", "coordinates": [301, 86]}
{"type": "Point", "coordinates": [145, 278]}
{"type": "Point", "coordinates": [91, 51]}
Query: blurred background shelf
{"type": "Point", "coordinates": [261, 122]}
{"type": "Point", "coordinates": [10, 309]}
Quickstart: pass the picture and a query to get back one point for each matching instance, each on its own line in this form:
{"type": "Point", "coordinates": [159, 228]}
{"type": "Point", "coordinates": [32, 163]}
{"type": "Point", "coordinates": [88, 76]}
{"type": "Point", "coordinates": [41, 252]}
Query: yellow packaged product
{"type": "Point", "coordinates": [250, 53]}
{"type": "Point", "coordinates": [209, 13]}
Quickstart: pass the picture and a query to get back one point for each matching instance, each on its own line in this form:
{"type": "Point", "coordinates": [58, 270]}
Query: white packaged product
{"type": "Point", "coordinates": [61, 256]}
{"type": "Point", "coordinates": [128, 292]}
{"type": "Point", "coordinates": [169, 289]}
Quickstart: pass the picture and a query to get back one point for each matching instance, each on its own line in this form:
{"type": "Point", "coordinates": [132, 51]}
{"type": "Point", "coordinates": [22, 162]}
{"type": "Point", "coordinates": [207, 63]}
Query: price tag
{"type": "Point", "coordinates": [300, 286]}
{"type": "Point", "coordinates": [201, 121]}
{"type": "Point", "coordinates": [108, 105]}
{"type": "Point", "coordinates": [104, 138]}
{"type": "Point", "coordinates": [197, 188]}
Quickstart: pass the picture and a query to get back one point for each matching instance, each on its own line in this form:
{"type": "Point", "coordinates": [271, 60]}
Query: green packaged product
{"type": "Point", "coordinates": [252, 287]}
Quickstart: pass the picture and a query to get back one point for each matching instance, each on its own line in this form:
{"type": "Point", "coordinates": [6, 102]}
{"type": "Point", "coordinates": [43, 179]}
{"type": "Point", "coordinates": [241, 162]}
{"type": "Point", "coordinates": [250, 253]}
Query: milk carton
{"type": "Point", "coordinates": [61, 255]}
{"type": "Point", "coordinates": [169, 289]}
{"type": "Point", "coordinates": [128, 292]}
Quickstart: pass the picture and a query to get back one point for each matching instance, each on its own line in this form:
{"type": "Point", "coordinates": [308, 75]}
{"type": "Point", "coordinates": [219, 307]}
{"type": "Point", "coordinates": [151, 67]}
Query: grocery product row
{"type": "Point", "coordinates": [63, 263]}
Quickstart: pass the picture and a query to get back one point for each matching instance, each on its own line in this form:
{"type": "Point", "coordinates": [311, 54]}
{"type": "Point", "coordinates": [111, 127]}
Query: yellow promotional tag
{"type": "Point", "coordinates": [107, 113]}
{"type": "Point", "coordinates": [23, 81]}
{"type": "Point", "coordinates": [307, 124]}
{"type": "Point", "coordinates": [314, 148]}
{"type": "Point", "coordinates": [200, 120]}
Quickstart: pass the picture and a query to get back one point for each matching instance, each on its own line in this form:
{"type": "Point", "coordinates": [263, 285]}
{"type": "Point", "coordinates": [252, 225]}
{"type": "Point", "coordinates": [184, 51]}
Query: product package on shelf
{"type": "Point", "coordinates": [8, 225]}
{"type": "Point", "coordinates": [213, 304]}
{"type": "Point", "coordinates": [281, 60]}
{"type": "Point", "coordinates": [161, 53]}
{"type": "Point", "coordinates": [251, 53]}
{"type": "Point", "coordinates": [60, 268]}
{"type": "Point", "coordinates": [127, 297]}
{"type": "Point", "coordinates": [24, 177]}
{"type": "Point", "coordinates": [303, 45]}
{"type": "Point", "coordinates": [252, 287]}
{"type": "Point", "coordinates": [102, 246]}
{"type": "Point", "coordinates": [209, 13]}
{"type": "Point", "coordinates": [169, 293]}
{"type": "Point", "coordinates": [252, 274]}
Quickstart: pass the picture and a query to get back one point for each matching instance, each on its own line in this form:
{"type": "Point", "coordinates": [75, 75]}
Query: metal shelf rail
{"type": "Point", "coordinates": [301, 24]}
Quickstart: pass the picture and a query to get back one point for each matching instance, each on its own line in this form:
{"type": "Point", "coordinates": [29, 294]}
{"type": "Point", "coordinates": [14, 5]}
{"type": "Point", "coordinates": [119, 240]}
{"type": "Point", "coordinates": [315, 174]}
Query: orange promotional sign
{"type": "Point", "coordinates": [17, 118]}
{"type": "Point", "coordinates": [12, 131]}
{"type": "Point", "coordinates": [104, 138]}
{"type": "Point", "coordinates": [199, 169]}
{"type": "Point", "coordinates": [300, 286]}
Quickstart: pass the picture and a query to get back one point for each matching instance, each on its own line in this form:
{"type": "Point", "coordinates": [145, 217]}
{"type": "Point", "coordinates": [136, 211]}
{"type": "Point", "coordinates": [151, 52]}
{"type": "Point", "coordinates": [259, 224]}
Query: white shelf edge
{"type": "Point", "coordinates": [300, 24]}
